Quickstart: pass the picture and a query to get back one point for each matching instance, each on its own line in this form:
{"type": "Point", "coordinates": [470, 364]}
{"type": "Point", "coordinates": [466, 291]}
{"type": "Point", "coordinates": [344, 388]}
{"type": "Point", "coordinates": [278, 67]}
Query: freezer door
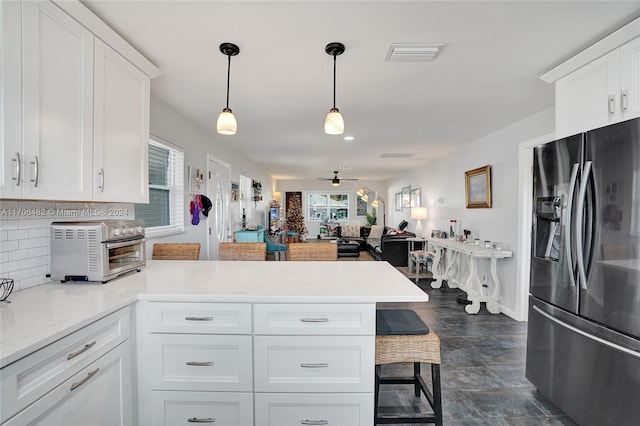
{"type": "Point", "coordinates": [556, 173]}
{"type": "Point", "coordinates": [611, 295]}
{"type": "Point", "coordinates": [589, 372]}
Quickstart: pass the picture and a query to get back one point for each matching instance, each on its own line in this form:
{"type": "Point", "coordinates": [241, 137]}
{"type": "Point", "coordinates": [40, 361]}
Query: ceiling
{"type": "Point", "coordinates": [485, 78]}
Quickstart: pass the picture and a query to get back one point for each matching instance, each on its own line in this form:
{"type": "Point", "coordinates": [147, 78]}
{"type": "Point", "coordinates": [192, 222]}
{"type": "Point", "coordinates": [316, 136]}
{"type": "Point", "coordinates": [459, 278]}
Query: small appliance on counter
{"type": "Point", "coordinates": [96, 250]}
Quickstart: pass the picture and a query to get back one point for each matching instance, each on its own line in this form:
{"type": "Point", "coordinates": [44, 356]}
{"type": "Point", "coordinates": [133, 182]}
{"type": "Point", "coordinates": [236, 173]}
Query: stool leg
{"type": "Point", "coordinates": [437, 394]}
{"type": "Point", "coordinates": [376, 394]}
{"type": "Point", "coordinates": [416, 381]}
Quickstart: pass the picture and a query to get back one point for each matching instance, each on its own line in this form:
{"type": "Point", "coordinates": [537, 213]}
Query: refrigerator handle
{"type": "Point", "coordinates": [567, 226]}
{"type": "Point", "coordinates": [582, 195]}
{"type": "Point", "coordinates": [585, 334]}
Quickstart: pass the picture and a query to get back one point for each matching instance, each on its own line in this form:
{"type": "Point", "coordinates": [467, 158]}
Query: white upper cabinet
{"type": "Point", "coordinates": [121, 128]}
{"type": "Point", "coordinates": [57, 76]}
{"type": "Point", "coordinates": [602, 92]}
{"type": "Point", "coordinates": [75, 112]}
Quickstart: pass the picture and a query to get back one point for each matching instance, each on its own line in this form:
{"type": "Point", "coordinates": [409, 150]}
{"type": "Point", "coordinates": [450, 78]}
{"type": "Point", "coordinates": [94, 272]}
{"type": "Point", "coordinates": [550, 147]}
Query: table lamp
{"type": "Point", "coordinates": [419, 213]}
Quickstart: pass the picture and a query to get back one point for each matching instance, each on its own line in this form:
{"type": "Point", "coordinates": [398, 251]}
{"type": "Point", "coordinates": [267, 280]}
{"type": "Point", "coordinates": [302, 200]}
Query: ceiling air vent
{"type": "Point", "coordinates": [413, 52]}
{"type": "Point", "coordinates": [397, 155]}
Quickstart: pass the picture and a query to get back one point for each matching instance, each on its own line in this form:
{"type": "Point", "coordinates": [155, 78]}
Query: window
{"type": "Point", "coordinates": [323, 207]}
{"type": "Point", "coordinates": [165, 212]}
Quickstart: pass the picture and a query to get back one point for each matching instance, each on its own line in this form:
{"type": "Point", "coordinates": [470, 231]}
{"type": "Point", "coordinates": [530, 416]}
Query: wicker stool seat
{"type": "Point", "coordinates": [401, 336]}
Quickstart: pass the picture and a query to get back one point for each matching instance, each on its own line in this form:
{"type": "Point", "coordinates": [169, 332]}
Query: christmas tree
{"type": "Point", "coordinates": [295, 219]}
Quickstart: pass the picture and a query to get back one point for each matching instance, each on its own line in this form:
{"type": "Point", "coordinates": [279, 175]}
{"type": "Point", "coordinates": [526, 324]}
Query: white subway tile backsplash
{"type": "Point", "coordinates": [18, 254]}
{"type": "Point", "coordinates": [9, 246]}
{"type": "Point", "coordinates": [21, 234]}
{"type": "Point", "coordinates": [25, 234]}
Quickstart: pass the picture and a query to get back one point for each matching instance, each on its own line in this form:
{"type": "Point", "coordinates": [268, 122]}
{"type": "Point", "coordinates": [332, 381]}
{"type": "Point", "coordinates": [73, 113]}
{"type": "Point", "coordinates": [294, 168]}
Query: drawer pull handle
{"type": "Point", "coordinates": [90, 374]}
{"type": "Point", "coordinates": [198, 318]}
{"type": "Point", "coordinates": [197, 420]}
{"type": "Point", "coordinates": [314, 422]}
{"type": "Point", "coordinates": [314, 365]}
{"type": "Point", "coordinates": [83, 350]}
{"type": "Point", "coordinates": [314, 319]}
{"type": "Point", "coordinates": [200, 363]}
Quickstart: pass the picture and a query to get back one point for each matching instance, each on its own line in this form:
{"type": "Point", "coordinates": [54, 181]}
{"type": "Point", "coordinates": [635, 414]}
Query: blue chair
{"type": "Point", "coordinates": [274, 248]}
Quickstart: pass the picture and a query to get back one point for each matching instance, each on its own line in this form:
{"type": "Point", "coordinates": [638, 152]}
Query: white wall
{"type": "Point", "coordinates": [170, 125]}
{"type": "Point", "coordinates": [444, 179]}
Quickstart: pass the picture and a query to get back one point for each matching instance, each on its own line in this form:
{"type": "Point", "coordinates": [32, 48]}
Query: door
{"type": "Point", "coordinates": [121, 129]}
{"type": "Point", "coordinates": [611, 265]}
{"type": "Point", "coordinates": [556, 167]}
{"type": "Point", "coordinates": [218, 191]}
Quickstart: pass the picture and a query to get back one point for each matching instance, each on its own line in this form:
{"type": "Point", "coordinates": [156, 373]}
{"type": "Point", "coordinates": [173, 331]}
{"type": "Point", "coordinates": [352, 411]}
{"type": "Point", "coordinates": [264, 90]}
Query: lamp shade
{"type": "Point", "coordinates": [334, 123]}
{"type": "Point", "coordinates": [360, 192]}
{"type": "Point", "coordinates": [374, 203]}
{"type": "Point", "coordinates": [227, 124]}
{"type": "Point", "coordinates": [276, 195]}
{"type": "Point", "coordinates": [418, 213]}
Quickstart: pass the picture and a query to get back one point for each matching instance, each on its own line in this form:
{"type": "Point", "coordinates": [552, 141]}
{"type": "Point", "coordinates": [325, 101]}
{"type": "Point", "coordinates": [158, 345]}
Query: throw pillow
{"type": "Point", "coordinates": [376, 231]}
{"type": "Point", "coordinates": [403, 224]}
{"type": "Point", "coordinates": [351, 230]}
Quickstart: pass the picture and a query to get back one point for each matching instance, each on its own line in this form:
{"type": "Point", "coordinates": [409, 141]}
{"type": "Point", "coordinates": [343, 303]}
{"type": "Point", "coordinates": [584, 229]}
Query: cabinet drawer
{"type": "Point", "coordinates": [314, 409]}
{"type": "Point", "coordinates": [316, 319]}
{"type": "Point", "coordinates": [100, 394]}
{"type": "Point", "coordinates": [170, 408]}
{"type": "Point", "coordinates": [314, 364]}
{"type": "Point", "coordinates": [200, 362]}
{"type": "Point", "coordinates": [29, 378]}
{"type": "Point", "coordinates": [203, 318]}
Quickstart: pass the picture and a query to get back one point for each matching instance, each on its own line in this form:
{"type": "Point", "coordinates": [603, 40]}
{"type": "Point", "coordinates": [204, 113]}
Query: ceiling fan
{"type": "Point", "coordinates": [335, 180]}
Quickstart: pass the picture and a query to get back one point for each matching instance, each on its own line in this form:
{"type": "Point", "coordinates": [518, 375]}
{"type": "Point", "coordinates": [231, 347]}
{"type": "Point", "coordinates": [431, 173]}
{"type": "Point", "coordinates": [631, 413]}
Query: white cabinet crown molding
{"type": "Point", "coordinates": [593, 52]}
{"type": "Point", "coordinates": [87, 18]}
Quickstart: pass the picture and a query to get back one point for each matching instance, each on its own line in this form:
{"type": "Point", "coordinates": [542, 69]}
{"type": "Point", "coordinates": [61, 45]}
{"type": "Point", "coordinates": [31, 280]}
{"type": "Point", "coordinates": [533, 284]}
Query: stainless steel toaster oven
{"type": "Point", "coordinates": [96, 250]}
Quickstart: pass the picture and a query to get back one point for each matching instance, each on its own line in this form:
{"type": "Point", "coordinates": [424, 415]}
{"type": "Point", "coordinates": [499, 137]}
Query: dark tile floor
{"type": "Point", "coordinates": [482, 370]}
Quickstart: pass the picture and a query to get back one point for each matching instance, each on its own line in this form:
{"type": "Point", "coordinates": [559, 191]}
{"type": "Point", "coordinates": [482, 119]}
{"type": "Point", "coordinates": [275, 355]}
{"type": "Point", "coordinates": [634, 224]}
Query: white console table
{"type": "Point", "coordinates": [447, 266]}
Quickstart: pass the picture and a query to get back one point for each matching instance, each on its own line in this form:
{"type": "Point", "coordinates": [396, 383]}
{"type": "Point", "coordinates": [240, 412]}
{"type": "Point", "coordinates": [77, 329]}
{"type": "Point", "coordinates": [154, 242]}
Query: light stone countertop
{"type": "Point", "coordinates": [41, 315]}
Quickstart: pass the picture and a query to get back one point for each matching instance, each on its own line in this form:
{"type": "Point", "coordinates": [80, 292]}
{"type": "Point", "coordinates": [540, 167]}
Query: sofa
{"type": "Point", "coordinates": [382, 243]}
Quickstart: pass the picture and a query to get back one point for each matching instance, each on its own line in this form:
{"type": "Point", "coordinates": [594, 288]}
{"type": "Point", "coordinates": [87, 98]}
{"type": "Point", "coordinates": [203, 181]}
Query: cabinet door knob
{"type": "Point", "coordinates": [90, 374]}
{"type": "Point", "coordinates": [36, 169]}
{"type": "Point", "coordinates": [197, 420]}
{"type": "Point", "coordinates": [314, 365]}
{"type": "Point", "coordinates": [314, 422]}
{"type": "Point", "coordinates": [84, 349]}
{"type": "Point", "coordinates": [199, 363]}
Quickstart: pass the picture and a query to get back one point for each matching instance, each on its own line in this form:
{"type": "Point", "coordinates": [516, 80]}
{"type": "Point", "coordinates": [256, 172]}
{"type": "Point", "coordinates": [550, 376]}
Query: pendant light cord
{"type": "Point", "coordinates": [229, 76]}
{"type": "Point", "coordinates": [334, 81]}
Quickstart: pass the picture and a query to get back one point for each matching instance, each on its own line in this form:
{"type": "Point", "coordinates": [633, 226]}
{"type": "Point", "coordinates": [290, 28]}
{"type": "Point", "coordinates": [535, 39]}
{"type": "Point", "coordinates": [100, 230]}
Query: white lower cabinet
{"type": "Point", "coordinates": [288, 409]}
{"type": "Point", "coordinates": [100, 395]}
{"type": "Point", "coordinates": [85, 378]}
{"type": "Point", "coordinates": [172, 408]}
{"type": "Point", "coordinates": [255, 364]}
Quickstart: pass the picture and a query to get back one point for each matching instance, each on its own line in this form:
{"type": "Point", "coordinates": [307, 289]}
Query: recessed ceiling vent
{"type": "Point", "coordinates": [397, 155]}
{"type": "Point", "coordinates": [413, 52]}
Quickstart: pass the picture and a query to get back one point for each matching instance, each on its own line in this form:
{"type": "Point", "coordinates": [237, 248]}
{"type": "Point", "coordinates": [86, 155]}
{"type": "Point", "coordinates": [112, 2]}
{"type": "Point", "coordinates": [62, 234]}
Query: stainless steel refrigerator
{"type": "Point", "coordinates": [583, 343]}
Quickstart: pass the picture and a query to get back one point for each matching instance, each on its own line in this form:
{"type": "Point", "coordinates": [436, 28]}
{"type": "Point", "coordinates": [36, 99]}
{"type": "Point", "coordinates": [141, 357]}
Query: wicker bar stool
{"type": "Point", "coordinates": [401, 336]}
{"type": "Point", "coordinates": [176, 251]}
{"type": "Point", "coordinates": [242, 251]}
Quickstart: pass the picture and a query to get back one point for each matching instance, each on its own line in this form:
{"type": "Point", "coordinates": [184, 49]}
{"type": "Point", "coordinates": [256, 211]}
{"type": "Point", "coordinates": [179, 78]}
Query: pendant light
{"type": "Point", "coordinates": [334, 124]}
{"type": "Point", "coordinates": [227, 124]}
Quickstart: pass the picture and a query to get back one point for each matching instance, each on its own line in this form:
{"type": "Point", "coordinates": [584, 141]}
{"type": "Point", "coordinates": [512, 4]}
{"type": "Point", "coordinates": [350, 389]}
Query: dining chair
{"type": "Point", "coordinates": [313, 251]}
{"type": "Point", "coordinates": [276, 248]}
{"type": "Point", "coordinates": [242, 251]}
{"type": "Point", "coordinates": [176, 251]}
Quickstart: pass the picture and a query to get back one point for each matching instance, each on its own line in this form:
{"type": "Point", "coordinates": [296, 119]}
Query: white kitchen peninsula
{"type": "Point", "coordinates": [302, 335]}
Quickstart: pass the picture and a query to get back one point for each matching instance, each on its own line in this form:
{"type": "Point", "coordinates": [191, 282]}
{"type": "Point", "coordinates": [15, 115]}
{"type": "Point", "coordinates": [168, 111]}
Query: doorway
{"type": "Point", "coordinates": [218, 189]}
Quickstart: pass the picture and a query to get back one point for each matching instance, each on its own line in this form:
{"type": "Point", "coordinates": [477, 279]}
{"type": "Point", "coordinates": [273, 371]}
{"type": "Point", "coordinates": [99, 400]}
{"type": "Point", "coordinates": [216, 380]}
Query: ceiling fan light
{"type": "Point", "coordinates": [334, 123]}
{"type": "Point", "coordinates": [227, 124]}
{"type": "Point", "coordinates": [335, 181]}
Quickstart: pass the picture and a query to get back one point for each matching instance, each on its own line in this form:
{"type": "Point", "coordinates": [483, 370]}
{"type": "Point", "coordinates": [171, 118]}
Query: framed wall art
{"type": "Point", "coordinates": [361, 206]}
{"type": "Point", "coordinates": [414, 197]}
{"type": "Point", "coordinates": [477, 185]}
{"type": "Point", "coordinates": [406, 197]}
{"type": "Point", "coordinates": [235, 191]}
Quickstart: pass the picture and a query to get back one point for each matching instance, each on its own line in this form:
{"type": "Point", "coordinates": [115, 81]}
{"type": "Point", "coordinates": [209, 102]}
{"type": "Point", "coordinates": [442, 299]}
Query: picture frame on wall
{"type": "Point", "coordinates": [398, 201]}
{"type": "Point", "coordinates": [477, 185]}
{"type": "Point", "coordinates": [361, 206]}
{"type": "Point", "coordinates": [406, 197]}
{"type": "Point", "coordinates": [414, 197]}
{"type": "Point", "coordinates": [235, 191]}
{"type": "Point", "coordinates": [196, 180]}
